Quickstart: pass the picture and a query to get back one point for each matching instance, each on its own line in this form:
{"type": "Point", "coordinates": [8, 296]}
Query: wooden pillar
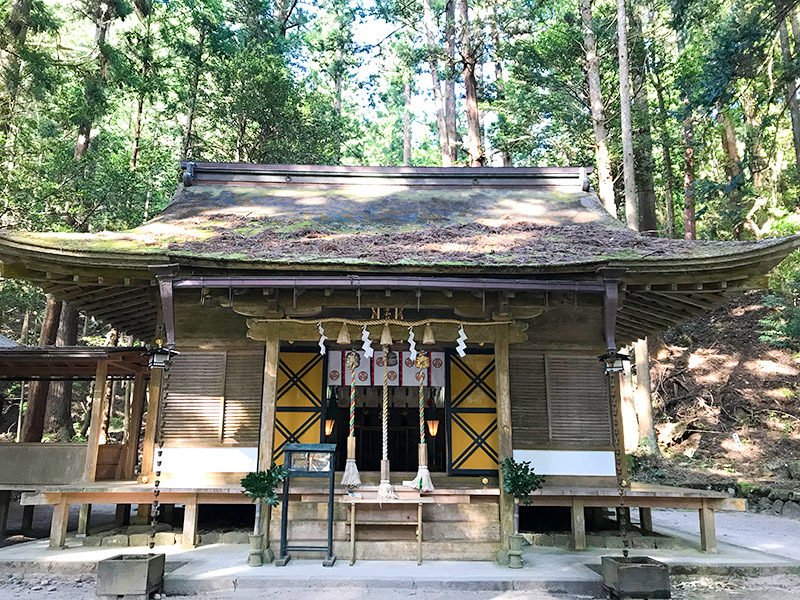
{"type": "Point", "coordinates": [5, 503]}
{"type": "Point", "coordinates": [58, 526]}
{"type": "Point", "coordinates": [84, 516]}
{"type": "Point", "coordinates": [708, 529]}
{"type": "Point", "coordinates": [27, 518]}
{"type": "Point", "coordinates": [646, 519]}
{"type": "Point", "coordinates": [190, 522]}
{"type": "Point", "coordinates": [578, 526]}
{"type": "Point", "coordinates": [153, 407]}
{"type": "Point", "coordinates": [266, 436]}
{"type": "Point", "coordinates": [93, 438]}
{"type": "Point", "coordinates": [505, 446]}
{"type": "Point", "coordinates": [616, 400]}
{"type": "Point", "coordinates": [128, 465]}
{"type": "Point", "coordinates": [95, 424]}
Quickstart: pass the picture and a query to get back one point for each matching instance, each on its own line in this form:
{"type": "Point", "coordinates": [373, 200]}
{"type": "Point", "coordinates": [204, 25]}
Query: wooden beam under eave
{"type": "Point", "coordinates": [443, 332]}
{"type": "Point", "coordinates": [657, 308]}
{"type": "Point", "coordinates": [669, 303]}
{"type": "Point", "coordinates": [95, 424]}
{"type": "Point", "coordinates": [646, 316]}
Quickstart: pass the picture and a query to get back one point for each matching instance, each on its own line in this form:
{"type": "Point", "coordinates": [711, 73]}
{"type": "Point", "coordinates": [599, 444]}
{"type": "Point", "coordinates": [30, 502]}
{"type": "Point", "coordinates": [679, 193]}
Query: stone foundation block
{"type": "Point", "coordinates": [115, 540]}
{"type": "Point", "coordinates": [235, 537]}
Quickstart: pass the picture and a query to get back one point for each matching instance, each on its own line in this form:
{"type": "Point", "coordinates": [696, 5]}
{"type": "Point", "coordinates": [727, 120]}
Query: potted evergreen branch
{"type": "Point", "coordinates": [519, 480]}
{"type": "Point", "coordinates": [261, 487]}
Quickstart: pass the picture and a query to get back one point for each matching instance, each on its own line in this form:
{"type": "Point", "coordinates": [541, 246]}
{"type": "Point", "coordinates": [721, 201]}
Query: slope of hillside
{"type": "Point", "coordinates": [727, 403]}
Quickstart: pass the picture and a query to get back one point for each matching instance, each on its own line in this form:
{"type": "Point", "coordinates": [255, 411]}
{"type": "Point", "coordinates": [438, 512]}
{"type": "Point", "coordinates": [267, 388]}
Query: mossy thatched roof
{"type": "Point", "coordinates": [251, 215]}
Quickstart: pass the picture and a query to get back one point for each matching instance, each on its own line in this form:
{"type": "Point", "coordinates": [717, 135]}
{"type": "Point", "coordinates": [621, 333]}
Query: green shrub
{"type": "Point", "coordinates": [519, 480]}
{"type": "Point", "coordinates": [260, 485]}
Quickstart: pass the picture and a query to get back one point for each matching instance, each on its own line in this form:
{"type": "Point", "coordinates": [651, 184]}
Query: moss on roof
{"type": "Point", "coordinates": [479, 226]}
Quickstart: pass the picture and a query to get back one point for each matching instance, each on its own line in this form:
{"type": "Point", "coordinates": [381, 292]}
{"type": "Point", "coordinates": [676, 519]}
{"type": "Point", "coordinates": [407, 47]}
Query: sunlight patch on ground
{"type": "Point", "coordinates": [770, 367]}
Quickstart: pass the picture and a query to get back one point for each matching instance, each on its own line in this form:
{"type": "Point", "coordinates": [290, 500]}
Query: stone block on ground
{"type": "Point", "coordinates": [139, 539]}
{"type": "Point", "coordinates": [777, 507]}
{"type": "Point", "coordinates": [643, 543]}
{"type": "Point", "coordinates": [131, 529]}
{"type": "Point", "coordinates": [212, 537]}
{"type": "Point", "coordinates": [764, 504]}
{"type": "Point", "coordinates": [561, 540]}
{"type": "Point", "coordinates": [165, 538]}
{"type": "Point", "coordinates": [542, 539]}
{"type": "Point", "coordinates": [791, 510]}
{"type": "Point", "coordinates": [595, 541]}
{"type": "Point", "coordinates": [235, 537]}
{"type": "Point", "coordinates": [115, 540]}
{"type": "Point", "coordinates": [92, 540]}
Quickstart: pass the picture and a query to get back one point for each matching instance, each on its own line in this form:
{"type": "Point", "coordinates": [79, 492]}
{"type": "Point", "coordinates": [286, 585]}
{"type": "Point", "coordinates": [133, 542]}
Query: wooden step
{"type": "Point", "coordinates": [407, 550]}
{"type": "Point", "coordinates": [453, 531]}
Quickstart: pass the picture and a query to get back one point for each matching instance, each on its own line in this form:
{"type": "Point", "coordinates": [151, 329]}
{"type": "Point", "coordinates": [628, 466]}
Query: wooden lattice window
{"type": "Point", "coordinates": [214, 398]}
{"type": "Point", "coordinates": [559, 401]}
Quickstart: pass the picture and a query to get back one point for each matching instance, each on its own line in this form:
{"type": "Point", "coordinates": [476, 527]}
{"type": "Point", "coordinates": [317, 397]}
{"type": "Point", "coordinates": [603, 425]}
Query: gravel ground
{"type": "Point", "coordinates": [767, 533]}
{"type": "Point", "coordinates": [783, 587]}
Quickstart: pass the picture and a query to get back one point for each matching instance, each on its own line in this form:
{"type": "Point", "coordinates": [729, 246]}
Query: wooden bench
{"type": "Point", "coordinates": [643, 496]}
{"type": "Point", "coordinates": [375, 501]}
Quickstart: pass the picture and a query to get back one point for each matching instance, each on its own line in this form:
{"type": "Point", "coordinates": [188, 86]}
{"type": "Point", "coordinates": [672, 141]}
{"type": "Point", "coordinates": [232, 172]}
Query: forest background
{"type": "Point", "coordinates": [687, 110]}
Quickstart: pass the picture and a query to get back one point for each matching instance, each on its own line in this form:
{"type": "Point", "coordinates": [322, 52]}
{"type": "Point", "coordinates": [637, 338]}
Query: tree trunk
{"type": "Point", "coordinates": [499, 78]}
{"type": "Point", "coordinates": [602, 157]}
{"type": "Point", "coordinates": [648, 442]}
{"type": "Point", "coordinates": [194, 90]}
{"type": "Point", "coordinates": [407, 121]}
{"type": "Point", "coordinates": [628, 171]}
{"type": "Point", "coordinates": [791, 94]}
{"type": "Point", "coordinates": [450, 116]}
{"type": "Point", "coordinates": [102, 16]}
{"type": "Point", "coordinates": [429, 23]}
{"type": "Point", "coordinates": [474, 145]}
{"type": "Point", "coordinates": [666, 148]}
{"type": "Point", "coordinates": [33, 425]}
{"type": "Point", "coordinates": [58, 417]}
{"type": "Point", "coordinates": [733, 168]}
{"type": "Point", "coordinates": [643, 140]}
{"type": "Point", "coordinates": [689, 224]}
{"type": "Point", "coordinates": [17, 27]}
{"type": "Point", "coordinates": [137, 132]}
{"type": "Point", "coordinates": [26, 324]}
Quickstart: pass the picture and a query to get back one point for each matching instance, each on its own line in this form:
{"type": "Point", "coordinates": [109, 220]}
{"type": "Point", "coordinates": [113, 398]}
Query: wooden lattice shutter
{"type": "Point", "coordinates": [578, 407]}
{"type": "Point", "coordinates": [193, 398]}
{"type": "Point", "coordinates": [299, 404]}
{"type": "Point", "coordinates": [472, 410]}
{"type": "Point", "coordinates": [528, 399]}
{"type": "Point", "coordinates": [244, 376]}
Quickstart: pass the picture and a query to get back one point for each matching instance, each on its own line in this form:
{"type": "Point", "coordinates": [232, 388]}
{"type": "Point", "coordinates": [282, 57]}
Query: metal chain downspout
{"type": "Point", "coordinates": [619, 457]}
{"type": "Point", "coordinates": [155, 508]}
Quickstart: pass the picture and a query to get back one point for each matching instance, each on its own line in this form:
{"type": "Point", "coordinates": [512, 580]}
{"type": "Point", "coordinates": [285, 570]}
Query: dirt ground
{"type": "Point", "coordinates": [783, 587]}
{"type": "Point", "coordinates": [713, 378]}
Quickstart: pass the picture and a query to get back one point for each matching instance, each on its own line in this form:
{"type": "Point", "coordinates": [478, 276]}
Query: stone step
{"type": "Point", "coordinates": [445, 512]}
{"type": "Point", "coordinates": [453, 531]}
{"type": "Point", "coordinates": [406, 550]}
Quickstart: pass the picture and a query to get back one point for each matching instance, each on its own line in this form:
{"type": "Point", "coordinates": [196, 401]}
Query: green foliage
{"type": "Point", "coordinates": [519, 480]}
{"type": "Point", "coordinates": [781, 328]}
{"type": "Point", "coordinates": [261, 485]}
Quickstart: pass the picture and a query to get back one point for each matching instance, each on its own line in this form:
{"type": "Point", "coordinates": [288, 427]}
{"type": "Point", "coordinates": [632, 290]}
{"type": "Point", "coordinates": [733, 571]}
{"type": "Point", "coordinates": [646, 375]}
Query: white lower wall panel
{"type": "Point", "coordinates": [569, 462]}
{"type": "Point", "coordinates": [185, 461]}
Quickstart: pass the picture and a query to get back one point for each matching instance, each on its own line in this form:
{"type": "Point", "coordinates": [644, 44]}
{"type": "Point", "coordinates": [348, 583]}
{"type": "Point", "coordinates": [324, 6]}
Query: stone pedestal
{"type": "Point", "coordinates": [635, 577]}
{"type": "Point", "coordinates": [255, 558]}
{"type": "Point", "coordinates": [130, 576]}
{"type": "Point", "coordinates": [515, 551]}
